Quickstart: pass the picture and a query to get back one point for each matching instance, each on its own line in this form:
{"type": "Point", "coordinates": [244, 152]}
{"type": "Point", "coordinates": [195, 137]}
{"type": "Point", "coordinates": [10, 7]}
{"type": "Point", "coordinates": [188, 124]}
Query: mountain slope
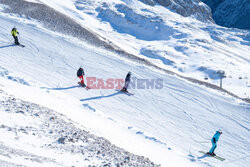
{"type": "Point", "coordinates": [167, 40]}
{"type": "Point", "coordinates": [185, 8]}
{"type": "Point", "coordinates": [235, 13]}
{"type": "Point", "coordinates": [166, 125]}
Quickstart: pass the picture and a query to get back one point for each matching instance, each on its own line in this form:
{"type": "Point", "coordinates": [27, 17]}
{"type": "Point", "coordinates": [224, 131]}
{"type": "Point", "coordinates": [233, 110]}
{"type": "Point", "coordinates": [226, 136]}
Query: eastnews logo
{"type": "Point", "coordinates": [135, 83]}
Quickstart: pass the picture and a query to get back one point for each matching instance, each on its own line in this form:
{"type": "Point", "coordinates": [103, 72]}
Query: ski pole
{"type": "Point", "coordinates": [20, 41]}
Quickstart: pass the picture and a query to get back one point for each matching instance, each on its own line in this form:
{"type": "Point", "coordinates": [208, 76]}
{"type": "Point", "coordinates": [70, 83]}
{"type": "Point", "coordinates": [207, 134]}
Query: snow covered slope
{"type": "Point", "coordinates": [164, 38]}
{"type": "Point", "coordinates": [37, 136]}
{"type": "Point", "coordinates": [193, 8]}
{"type": "Point", "coordinates": [169, 126]}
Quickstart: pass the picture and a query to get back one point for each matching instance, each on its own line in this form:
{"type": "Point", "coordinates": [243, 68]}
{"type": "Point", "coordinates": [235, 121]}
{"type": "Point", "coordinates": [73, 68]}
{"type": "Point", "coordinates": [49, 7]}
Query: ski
{"type": "Point", "coordinates": [84, 86]}
{"type": "Point", "coordinates": [126, 92]}
{"type": "Point", "coordinates": [21, 45]}
{"type": "Point", "coordinates": [217, 157]}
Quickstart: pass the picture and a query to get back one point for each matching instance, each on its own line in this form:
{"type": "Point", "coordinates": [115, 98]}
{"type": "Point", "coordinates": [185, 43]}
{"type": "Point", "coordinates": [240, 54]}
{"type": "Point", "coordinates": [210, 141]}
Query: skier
{"type": "Point", "coordinates": [14, 33]}
{"type": "Point", "coordinates": [214, 142]}
{"type": "Point", "coordinates": [127, 81]}
{"type": "Point", "coordinates": [80, 75]}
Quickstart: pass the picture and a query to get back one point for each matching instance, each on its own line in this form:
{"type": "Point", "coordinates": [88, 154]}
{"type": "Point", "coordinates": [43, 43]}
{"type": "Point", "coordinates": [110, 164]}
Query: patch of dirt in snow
{"type": "Point", "coordinates": [26, 127]}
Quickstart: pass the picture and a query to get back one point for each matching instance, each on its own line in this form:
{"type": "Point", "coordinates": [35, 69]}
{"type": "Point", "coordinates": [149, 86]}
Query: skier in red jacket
{"type": "Point", "coordinates": [80, 75]}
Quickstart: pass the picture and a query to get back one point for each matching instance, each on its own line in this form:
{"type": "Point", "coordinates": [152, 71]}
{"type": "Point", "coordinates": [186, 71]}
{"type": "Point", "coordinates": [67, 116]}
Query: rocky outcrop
{"type": "Point", "coordinates": [185, 8]}
{"type": "Point", "coordinates": [234, 13]}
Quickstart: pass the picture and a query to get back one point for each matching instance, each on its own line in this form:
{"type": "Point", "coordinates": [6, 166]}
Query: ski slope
{"type": "Point", "coordinates": [180, 44]}
{"type": "Point", "coordinates": [169, 125]}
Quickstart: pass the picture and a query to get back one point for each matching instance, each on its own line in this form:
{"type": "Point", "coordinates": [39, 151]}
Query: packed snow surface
{"type": "Point", "coordinates": [167, 125]}
{"type": "Point", "coordinates": [169, 40]}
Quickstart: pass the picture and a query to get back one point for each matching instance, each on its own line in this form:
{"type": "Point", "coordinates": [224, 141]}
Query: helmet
{"type": "Point", "coordinates": [219, 131]}
{"type": "Point", "coordinates": [129, 73]}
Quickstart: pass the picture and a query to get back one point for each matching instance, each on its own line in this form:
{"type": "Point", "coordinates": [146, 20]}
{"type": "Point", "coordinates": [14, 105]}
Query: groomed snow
{"type": "Point", "coordinates": [181, 44]}
{"type": "Point", "coordinates": [169, 125]}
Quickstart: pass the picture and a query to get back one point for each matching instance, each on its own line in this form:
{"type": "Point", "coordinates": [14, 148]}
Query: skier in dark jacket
{"type": "Point", "coordinates": [214, 142]}
{"type": "Point", "coordinates": [14, 33]}
{"type": "Point", "coordinates": [127, 81]}
{"type": "Point", "coordinates": [80, 74]}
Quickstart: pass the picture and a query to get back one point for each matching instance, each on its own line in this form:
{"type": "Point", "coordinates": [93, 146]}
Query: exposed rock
{"type": "Point", "coordinates": [185, 8]}
{"type": "Point", "coordinates": [233, 13]}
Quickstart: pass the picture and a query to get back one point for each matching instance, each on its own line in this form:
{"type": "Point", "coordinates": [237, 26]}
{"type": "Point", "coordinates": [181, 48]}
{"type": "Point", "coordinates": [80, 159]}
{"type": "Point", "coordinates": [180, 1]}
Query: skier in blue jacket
{"type": "Point", "coordinates": [214, 142]}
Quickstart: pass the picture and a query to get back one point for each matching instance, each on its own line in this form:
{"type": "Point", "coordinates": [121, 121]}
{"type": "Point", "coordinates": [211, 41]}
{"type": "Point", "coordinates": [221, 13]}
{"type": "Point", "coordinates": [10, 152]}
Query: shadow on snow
{"type": "Point", "coordinates": [6, 46]}
{"type": "Point", "coordinates": [100, 97]}
{"type": "Point", "coordinates": [204, 156]}
{"type": "Point", "coordinates": [65, 88]}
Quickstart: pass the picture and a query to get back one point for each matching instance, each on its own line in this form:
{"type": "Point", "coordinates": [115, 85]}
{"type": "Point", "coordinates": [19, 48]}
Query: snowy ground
{"type": "Point", "coordinates": [38, 136]}
{"type": "Point", "coordinates": [183, 45]}
{"type": "Point", "coordinates": [169, 126]}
